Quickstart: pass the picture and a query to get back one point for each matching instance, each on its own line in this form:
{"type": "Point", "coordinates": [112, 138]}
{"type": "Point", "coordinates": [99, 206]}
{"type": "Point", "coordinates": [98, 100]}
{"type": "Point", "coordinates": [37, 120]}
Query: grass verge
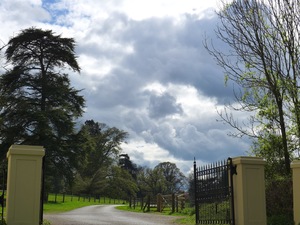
{"type": "Point", "coordinates": [187, 216]}
{"type": "Point", "coordinates": [58, 207]}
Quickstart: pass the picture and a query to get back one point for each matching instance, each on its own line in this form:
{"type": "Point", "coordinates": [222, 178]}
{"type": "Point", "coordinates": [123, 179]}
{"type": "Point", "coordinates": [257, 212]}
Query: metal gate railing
{"type": "Point", "coordinates": [214, 193]}
{"type": "Point", "coordinates": [2, 196]}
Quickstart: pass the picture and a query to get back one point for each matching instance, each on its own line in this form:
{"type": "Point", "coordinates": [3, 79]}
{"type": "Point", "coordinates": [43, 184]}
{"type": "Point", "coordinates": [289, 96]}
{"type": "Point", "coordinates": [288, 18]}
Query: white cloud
{"type": "Point", "coordinates": [139, 10]}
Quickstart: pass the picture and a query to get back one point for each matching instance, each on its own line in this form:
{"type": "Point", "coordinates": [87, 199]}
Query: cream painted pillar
{"type": "Point", "coordinates": [249, 191]}
{"type": "Point", "coordinates": [24, 184]}
{"type": "Point", "coordinates": [296, 187]}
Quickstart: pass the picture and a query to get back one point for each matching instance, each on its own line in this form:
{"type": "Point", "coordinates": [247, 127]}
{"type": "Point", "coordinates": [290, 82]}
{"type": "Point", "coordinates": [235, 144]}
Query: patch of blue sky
{"type": "Point", "coordinates": [57, 10]}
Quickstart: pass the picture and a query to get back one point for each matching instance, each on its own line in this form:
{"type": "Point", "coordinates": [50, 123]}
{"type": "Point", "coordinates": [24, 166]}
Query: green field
{"type": "Point", "coordinates": [62, 203]}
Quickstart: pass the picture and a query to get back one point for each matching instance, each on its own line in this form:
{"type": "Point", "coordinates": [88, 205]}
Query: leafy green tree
{"type": "Point", "coordinates": [38, 104]}
{"type": "Point", "coordinates": [120, 184]}
{"type": "Point", "coordinates": [175, 181]}
{"type": "Point", "coordinates": [151, 181]}
{"type": "Point", "coordinates": [100, 151]}
{"type": "Point", "coordinates": [165, 178]}
{"type": "Point", "coordinates": [270, 148]}
{"type": "Point", "coordinates": [264, 61]}
{"type": "Point", "coordinates": [127, 164]}
{"type": "Point", "coordinates": [104, 143]}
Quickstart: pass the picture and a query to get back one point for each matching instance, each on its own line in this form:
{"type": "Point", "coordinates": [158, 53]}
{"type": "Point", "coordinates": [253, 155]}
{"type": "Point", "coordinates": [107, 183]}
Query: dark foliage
{"type": "Point", "coordinates": [279, 200]}
{"type": "Point", "coordinates": [38, 105]}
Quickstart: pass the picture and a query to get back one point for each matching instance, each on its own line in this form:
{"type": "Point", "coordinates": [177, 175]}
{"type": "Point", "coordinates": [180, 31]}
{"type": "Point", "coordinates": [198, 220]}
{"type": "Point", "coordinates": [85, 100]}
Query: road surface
{"type": "Point", "coordinates": [107, 215]}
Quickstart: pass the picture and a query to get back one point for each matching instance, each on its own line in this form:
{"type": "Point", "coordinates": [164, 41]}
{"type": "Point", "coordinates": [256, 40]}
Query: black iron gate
{"type": "Point", "coordinates": [2, 196]}
{"type": "Point", "coordinates": [214, 193]}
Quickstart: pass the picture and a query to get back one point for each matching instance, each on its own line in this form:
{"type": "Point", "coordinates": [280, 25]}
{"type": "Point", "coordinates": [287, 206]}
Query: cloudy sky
{"type": "Point", "coordinates": [144, 70]}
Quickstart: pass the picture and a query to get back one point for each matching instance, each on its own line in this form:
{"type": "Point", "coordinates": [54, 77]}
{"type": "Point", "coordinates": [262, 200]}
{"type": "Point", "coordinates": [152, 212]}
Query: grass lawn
{"type": "Point", "coordinates": [60, 203]}
{"type": "Point", "coordinates": [52, 207]}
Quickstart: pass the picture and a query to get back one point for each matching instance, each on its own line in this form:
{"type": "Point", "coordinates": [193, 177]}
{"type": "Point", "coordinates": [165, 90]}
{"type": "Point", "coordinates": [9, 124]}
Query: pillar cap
{"type": "Point", "coordinates": [248, 160]}
{"type": "Point", "coordinates": [26, 150]}
{"type": "Point", "coordinates": [295, 164]}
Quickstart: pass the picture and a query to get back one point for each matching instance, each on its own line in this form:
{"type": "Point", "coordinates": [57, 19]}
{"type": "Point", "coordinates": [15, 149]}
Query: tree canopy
{"type": "Point", "coordinates": [100, 146]}
{"type": "Point", "coordinates": [263, 60]}
{"type": "Point", "coordinates": [38, 104]}
{"type": "Point", "coordinates": [165, 178]}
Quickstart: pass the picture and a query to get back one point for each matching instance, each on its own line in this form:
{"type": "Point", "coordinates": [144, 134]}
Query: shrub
{"type": "Point", "coordinates": [279, 200]}
{"type": "Point", "coordinates": [280, 220]}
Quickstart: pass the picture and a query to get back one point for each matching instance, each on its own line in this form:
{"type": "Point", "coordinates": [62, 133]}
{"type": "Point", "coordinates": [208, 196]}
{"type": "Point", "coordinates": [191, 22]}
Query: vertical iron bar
{"type": "Point", "coordinates": [195, 186]}
{"type": "Point", "coordinates": [232, 172]}
{"type": "Point", "coordinates": [210, 187]}
{"type": "Point", "coordinates": [206, 180]}
{"type": "Point", "coordinates": [2, 197]}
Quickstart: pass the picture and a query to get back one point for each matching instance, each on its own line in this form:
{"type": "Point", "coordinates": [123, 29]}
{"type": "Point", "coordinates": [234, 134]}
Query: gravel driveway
{"type": "Point", "coordinates": [107, 215]}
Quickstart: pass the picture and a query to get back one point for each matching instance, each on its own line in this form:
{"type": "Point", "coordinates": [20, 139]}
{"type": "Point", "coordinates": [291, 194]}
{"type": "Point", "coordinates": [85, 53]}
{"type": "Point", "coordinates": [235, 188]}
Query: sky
{"type": "Point", "coordinates": [144, 69]}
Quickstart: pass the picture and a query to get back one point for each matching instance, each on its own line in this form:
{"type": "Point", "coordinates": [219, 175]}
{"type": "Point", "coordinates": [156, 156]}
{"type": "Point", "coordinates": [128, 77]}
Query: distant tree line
{"type": "Point", "coordinates": [39, 106]}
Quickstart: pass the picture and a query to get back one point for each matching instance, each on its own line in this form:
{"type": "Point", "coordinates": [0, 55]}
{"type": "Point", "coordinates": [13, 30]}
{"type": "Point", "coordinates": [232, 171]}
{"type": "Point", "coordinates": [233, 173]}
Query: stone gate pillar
{"type": "Point", "coordinates": [249, 191]}
{"type": "Point", "coordinates": [296, 190]}
{"type": "Point", "coordinates": [24, 184]}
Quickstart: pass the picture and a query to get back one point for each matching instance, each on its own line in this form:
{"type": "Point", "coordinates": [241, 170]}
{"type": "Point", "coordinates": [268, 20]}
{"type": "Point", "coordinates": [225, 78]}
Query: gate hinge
{"type": "Point", "coordinates": [233, 170]}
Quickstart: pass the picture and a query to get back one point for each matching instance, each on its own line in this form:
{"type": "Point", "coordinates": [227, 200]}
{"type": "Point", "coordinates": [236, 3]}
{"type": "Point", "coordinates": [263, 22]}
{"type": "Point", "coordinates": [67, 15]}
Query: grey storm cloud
{"type": "Point", "coordinates": [190, 141]}
{"type": "Point", "coordinates": [168, 53]}
{"type": "Point", "coordinates": [163, 105]}
{"type": "Point", "coordinates": [176, 53]}
{"type": "Point", "coordinates": [162, 51]}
